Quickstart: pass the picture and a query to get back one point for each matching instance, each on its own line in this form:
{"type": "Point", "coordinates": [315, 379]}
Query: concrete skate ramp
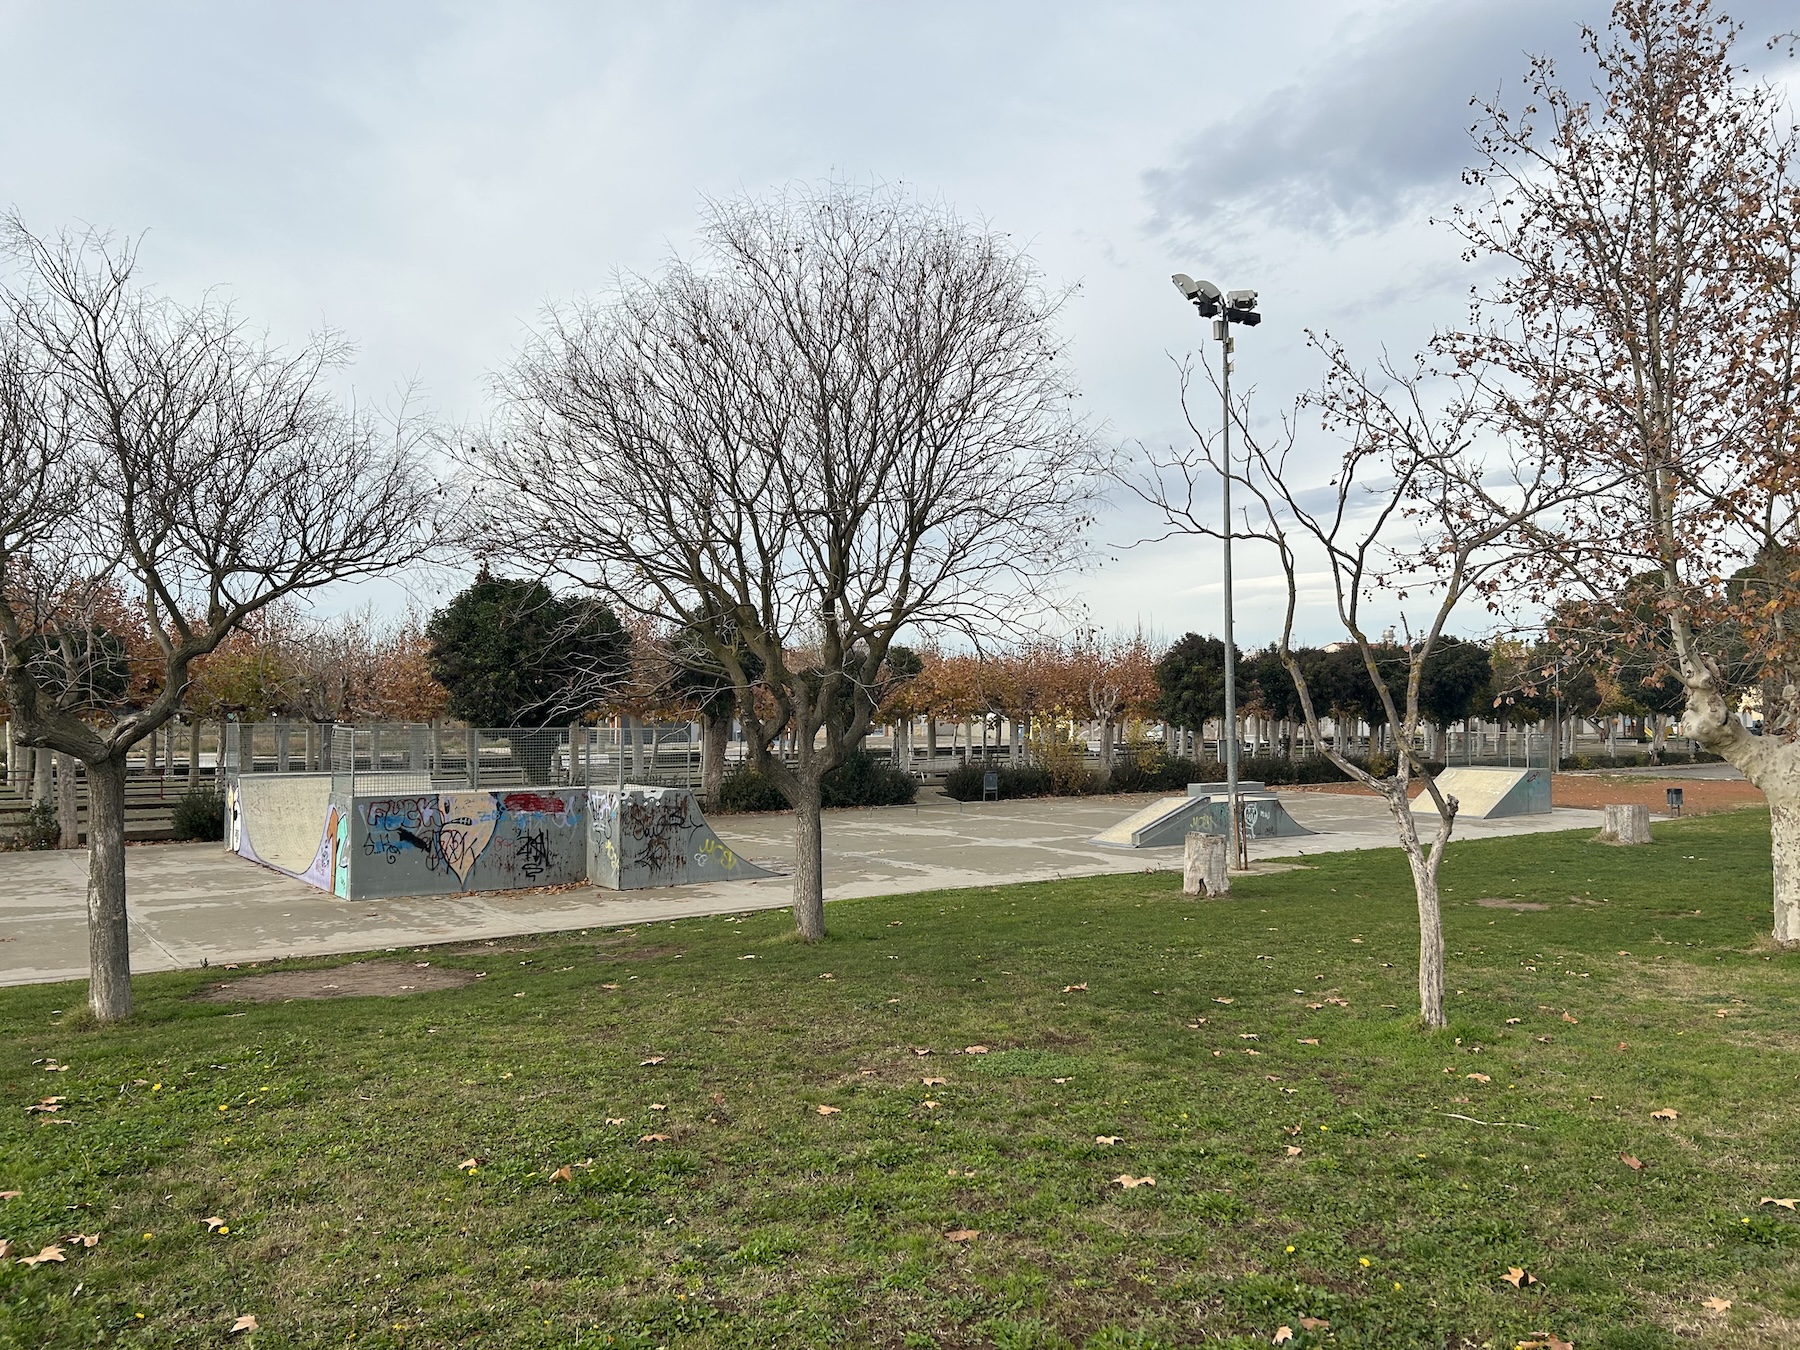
{"type": "Point", "coordinates": [649, 836]}
{"type": "Point", "coordinates": [281, 818]}
{"type": "Point", "coordinates": [1168, 822]}
{"type": "Point", "coordinates": [1488, 794]}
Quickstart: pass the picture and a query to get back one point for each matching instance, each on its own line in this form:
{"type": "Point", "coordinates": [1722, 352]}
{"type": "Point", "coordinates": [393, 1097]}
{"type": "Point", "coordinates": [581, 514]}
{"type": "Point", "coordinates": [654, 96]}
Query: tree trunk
{"type": "Point", "coordinates": [42, 785]}
{"type": "Point", "coordinates": [1431, 915]}
{"type": "Point", "coordinates": [193, 767]}
{"type": "Point", "coordinates": [714, 732]}
{"type": "Point", "coordinates": [109, 938]}
{"type": "Point", "coordinates": [931, 741]}
{"type": "Point", "coordinates": [68, 803]}
{"type": "Point", "coordinates": [809, 865]}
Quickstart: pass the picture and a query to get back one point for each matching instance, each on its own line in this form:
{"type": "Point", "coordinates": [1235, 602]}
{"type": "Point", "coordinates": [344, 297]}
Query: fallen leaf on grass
{"type": "Point", "coordinates": [1107, 1138]}
{"type": "Point", "coordinates": [653, 1139]}
{"type": "Point", "coordinates": [1631, 1162]}
{"type": "Point", "coordinates": [1548, 1343]}
{"type": "Point", "coordinates": [1283, 1335]}
{"type": "Point", "coordinates": [1514, 1021]}
{"type": "Point", "coordinates": [1309, 1040]}
{"type": "Point", "coordinates": [646, 1063]}
{"type": "Point", "coordinates": [1570, 1017]}
{"type": "Point", "coordinates": [1667, 1113]}
{"type": "Point", "coordinates": [214, 1224]}
{"type": "Point", "coordinates": [1131, 1183]}
{"type": "Point", "coordinates": [609, 986]}
{"type": "Point", "coordinates": [469, 1164]}
{"type": "Point", "coordinates": [963, 1234]}
{"type": "Point", "coordinates": [1519, 1278]}
{"type": "Point", "coordinates": [1478, 1077]}
{"type": "Point", "coordinates": [935, 1082]}
{"type": "Point", "coordinates": [1771, 1200]}
{"type": "Point", "coordinates": [1293, 1150]}
{"type": "Point", "coordinates": [921, 1051]}
{"type": "Point", "coordinates": [827, 1110]}
{"type": "Point", "coordinates": [1223, 1000]}
{"type": "Point", "coordinates": [975, 1050]}
{"type": "Point", "coordinates": [1715, 1303]}
{"type": "Point", "coordinates": [245, 1323]}
{"type": "Point", "coordinates": [563, 1173]}
{"type": "Point", "coordinates": [1314, 1324]}
{"type": "Point", "coordinates": [1075, 988]}
{"type": "Point", "coordinates": [930, 1106]}
{"type": "Point", "coordinates": [54, 1253]}
{"type": "Point", "coordinates": [47, 1104]}
{"type": "Point", "coordinates": [10, 1195]}
{"type": "Point", "coordinates": [6, 1248]}
{"type": "Point", "coordinates": [659, 1106]}
{"type": "Point", "coordinates": [615, 1120]}
{"type": "Point", "coordinates": [83, 1239]}
{"type": "Point", "coordinates": [1062, 1080]}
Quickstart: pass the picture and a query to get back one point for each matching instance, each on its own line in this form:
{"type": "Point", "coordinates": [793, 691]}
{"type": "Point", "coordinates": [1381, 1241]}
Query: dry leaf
{"type": "Point", "coordinates": [1062, 1080]}
{"type": "Point", "coordinates": [1518, 1278]}
{"type": "Point", "coordinates": [1131, 1183]}
{"type": "Point", "coordinates": [1771, 1200]}
{"type": "Point", "coordinates": [659, 1106]}
{"type": "Point", "coordinates": [1314, 1324]}
{"type": "Point", "coordinates": [213, 1223]}
{"type": "Point", "coordinates": [1309, 1040]}
{"type": "Point", "coordinates": [6, 1248]}
{"type": "Point", "coordinates": [245, 1323]}
{"type": "Point", "coordinates": [615, 1120]}
{"type": "Point", "coordinates": [1293, 1150]}
{"type": "Point", "coordinates": [1107, 1138]}
{"type": "Point", "coordinates": [1513, 1021]}
{"type": "Point", "coordinates": [1283, 1335]}
{"type": "Point", "coordinates": [83, 1239]}
{"type": "Point", "coordinates": [609, 986]}
{"type": "Point", "coordinates": [653, 1139]}
{"type": "Point", "coordinates": [1623, 1047]}
{"type": "Point", "coordinates": [563, 1173]}
{"type": "Point", "coordinates": [646, 1063]}
{"type": "Point", "coordinates": [1715, 1303]}
{"type": "Point", "coordinates": [1570, 1017]}
{"type": "Point", "coordinates": [975, 1050]}
{"type": "Point", "coordinates": [935, 1082]}
{"type": "Point", "coordinates": [827, 1110]}
{"type": "Point", "coordinates": [1667, 1113]}
{"type": "Point", "coordinates": [1549, 1342]}
{"type": "Point", "coordinates": [963, 1234]}
{"type": "Point", "coordinates": [470, 1164]}
{"type": "Point", "coordinates": [1075, 988]}
{"type": "Point", "coordinates": [48, 1254]}
{"type": "Point", "coordinates": [48, 1104]}
{"type": "Point", "coordinates": [1478, 1077]}
{"type": "Point", "coordinates": [1224, 1000]}
{"type": "Point", "coordinates": [930, 1105]}
{"type": "Point", "coordinates": [921, 1052]}
{"type": "Point", "coordinates": [10, 1195]}
{"type": "Point", "coordinates": [1631, 1162]}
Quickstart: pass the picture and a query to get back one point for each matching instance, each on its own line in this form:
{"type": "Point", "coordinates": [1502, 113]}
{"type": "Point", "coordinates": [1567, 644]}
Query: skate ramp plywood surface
{"type": "Point", "coordinates": [1489, 794]}
{"type": "Point", "coordinates": [282, 818]}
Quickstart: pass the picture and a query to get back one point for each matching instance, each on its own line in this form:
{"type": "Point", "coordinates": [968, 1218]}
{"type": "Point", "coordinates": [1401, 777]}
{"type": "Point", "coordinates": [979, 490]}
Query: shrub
{"type": "Point", "coordinates": [38, 830]}
{"type": "Point", "coordinates": [964, 782]}
{"type": "Point", "coordinates": [861, 780]}
{"type": "Point", "coordinates": [200, 814]}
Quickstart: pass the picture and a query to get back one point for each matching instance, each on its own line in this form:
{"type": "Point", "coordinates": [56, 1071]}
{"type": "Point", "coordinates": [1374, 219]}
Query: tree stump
{"type": "Point", "coordinates": [1203, 866]}
{"type": "Point", "coordinates": [1626, 825]}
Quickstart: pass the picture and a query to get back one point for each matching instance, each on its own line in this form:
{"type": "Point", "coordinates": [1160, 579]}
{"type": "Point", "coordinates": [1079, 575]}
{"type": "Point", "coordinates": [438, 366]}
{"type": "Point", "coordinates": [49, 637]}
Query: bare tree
{"type": "Point", "coordinates": [1645, 333]}
{"type": "Point", "coordinates": [159, 451]}
{"type": "Point", "coordinates": [1411, 511]}
{"type": "Point", "coordinates": [850, 418]}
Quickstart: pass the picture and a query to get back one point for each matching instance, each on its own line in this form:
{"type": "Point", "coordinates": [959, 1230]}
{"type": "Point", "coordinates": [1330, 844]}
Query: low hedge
{"type": "Point", "coordinates": [861, 780]}
{"type": "Point", "coordinates": [200, 814]}
{"type": "Point", "coordinates": [1156, 774]}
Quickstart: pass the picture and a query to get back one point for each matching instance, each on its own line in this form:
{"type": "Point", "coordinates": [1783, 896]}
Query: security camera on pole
{"type": "Point", "coordinates": [1225, 309]}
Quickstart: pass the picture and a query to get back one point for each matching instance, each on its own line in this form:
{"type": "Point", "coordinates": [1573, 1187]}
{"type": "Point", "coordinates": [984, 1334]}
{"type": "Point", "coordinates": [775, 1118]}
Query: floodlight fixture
{"type": "Point", "coordinates": [1206, 297]}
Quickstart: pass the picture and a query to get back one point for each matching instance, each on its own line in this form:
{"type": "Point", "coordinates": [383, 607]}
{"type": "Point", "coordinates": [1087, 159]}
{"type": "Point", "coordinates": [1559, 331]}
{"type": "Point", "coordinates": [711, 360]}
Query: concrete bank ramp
{"type": "Point", "coordinates": [1489, 794]}
{"type": "Point", "coordinates": [1167, 822]}
{"type": "Point", "coordinates": [651, 836]}
{"type": "Point", "coordinates": [280, 819]}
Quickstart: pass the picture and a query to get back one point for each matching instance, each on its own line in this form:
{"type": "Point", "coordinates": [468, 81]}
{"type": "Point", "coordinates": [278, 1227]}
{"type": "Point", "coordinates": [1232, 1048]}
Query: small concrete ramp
{"type": "Point", "coordinates": [1161, 823]}
{"type": "Point", "coordinates": [652, 836]}
{"type": "Point", "coordinates": [1168, 822]}
{"type": "Point", "coordinates": [1264, 817]}
{"type": "Point", "coordinates": [1489, 794]}
{"type": "Point", "coordinates": [280, 819]}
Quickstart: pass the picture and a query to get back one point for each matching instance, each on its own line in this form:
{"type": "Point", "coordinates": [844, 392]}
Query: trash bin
{"type": "Point", "coordinates": [1674, 796]}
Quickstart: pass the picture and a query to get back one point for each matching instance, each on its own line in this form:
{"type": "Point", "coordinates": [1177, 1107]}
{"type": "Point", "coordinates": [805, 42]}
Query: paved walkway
{"type": "Point", "coordinates": [194, 903]}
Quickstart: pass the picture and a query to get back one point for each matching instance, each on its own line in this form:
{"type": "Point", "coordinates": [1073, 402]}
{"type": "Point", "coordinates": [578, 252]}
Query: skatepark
{"type": "Point", "coordinates": [195, 903]}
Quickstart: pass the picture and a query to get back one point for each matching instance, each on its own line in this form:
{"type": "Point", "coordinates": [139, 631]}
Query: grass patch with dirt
{"type": "Point", "coordinates": [619, 1138]}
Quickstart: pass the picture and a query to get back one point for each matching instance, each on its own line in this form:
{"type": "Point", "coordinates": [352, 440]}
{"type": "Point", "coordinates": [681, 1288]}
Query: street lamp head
{"type": "Point", "coordinates": [1205, 296]}
{"type": "Point", "coordinates": [1240, 307]}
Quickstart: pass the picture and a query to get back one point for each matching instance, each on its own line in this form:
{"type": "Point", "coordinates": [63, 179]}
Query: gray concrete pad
{"type": "Point", "coordinates": [191, 903]}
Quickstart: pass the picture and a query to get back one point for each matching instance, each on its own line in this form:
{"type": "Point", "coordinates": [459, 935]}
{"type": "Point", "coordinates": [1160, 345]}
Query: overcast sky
{"type": "Point", "coordinates": [426, 177]}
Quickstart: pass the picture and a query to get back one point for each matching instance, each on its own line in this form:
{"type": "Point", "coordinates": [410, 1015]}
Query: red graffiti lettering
{"type": "Point", "coordinates": [531, 801]}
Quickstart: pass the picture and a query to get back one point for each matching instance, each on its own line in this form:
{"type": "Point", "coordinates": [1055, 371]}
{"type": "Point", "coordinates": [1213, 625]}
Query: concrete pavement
{"type": "Point", "coordinates": [194, 903]}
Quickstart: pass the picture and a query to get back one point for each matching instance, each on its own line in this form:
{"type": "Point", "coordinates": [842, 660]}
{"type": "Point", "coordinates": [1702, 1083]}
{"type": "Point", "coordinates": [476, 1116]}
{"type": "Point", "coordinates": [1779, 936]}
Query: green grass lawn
{"type": "Point", "coordinates": [1211, 1040]}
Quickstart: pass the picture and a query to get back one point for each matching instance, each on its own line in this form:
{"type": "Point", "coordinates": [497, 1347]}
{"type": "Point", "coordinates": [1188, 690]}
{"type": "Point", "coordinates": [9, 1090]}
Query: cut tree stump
{"type": "Point", "coordinates": [1629, 824]}
{"type": "Point", "coordinates": [1203, 870]}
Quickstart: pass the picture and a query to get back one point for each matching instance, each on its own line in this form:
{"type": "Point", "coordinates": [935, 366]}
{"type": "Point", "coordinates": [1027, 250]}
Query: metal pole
{"type": "Point", "coordinates": [1222, 330]}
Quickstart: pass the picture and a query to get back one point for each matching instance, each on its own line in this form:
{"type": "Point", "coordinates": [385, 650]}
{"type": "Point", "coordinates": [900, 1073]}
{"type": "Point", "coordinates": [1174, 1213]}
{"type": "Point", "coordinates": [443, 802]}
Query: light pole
{"type": "Point", "coordinates": [1225, 309]}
